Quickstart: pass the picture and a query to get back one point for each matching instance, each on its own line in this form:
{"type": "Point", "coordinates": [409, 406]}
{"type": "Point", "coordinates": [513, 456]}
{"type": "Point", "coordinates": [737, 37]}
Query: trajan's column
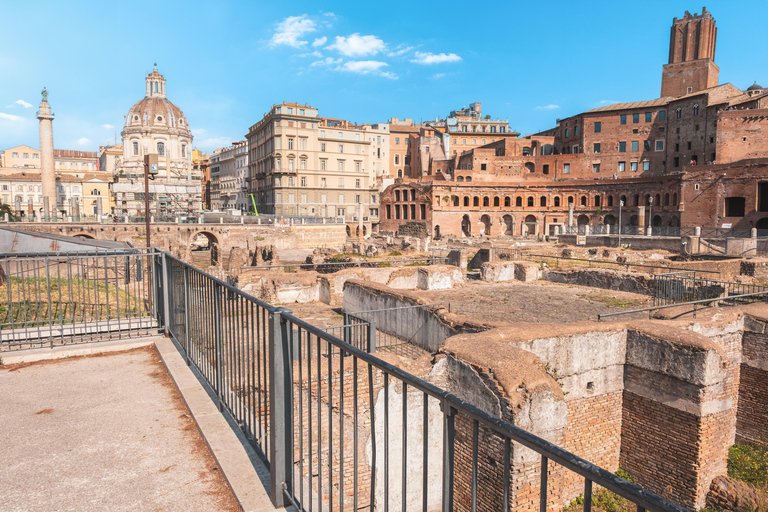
{"type": "Point", "coordinates": [47, 173]}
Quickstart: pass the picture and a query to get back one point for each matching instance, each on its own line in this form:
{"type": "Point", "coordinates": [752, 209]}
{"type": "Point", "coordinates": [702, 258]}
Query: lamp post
{"type": "Point", "coordinates": [150, 170]}
{"type": "Point", "coordinates": [621, 203]}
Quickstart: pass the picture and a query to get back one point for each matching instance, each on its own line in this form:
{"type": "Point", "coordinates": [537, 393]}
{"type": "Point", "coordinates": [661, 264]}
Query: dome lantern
{"type": "Point", "coordinates": [155, 84]}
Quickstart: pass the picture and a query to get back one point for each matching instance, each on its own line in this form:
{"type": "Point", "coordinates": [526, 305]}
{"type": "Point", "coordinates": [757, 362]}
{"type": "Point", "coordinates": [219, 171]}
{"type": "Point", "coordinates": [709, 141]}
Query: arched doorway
{"type": "Point", "coordinates": [762, 224]}
{"type": "Point", "coordinates": [349, 231]}
{"type": "Point", "coordinates": [204, 247]}
{"type": "Point", "coordinates": [656, 221]}
{"type": "Point", "coordinates": [609, 220]}
{"type": "Point", "coordinates": [485, 220]}
{"type": "Point", "coordinates": [437, 232]}
{"type": "Point", "coordinates": [582, 220]}
{"type": "Point", "coordinates": [466, 226]}
{"type": "Point", "coordinates": [530, 225]}
{"type": "Point", "coordinates": [509, 225]}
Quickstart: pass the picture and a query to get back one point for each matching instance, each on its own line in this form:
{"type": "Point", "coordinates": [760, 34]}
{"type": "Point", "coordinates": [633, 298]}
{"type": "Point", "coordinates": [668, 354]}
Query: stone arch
{"type": "Point", "coordinates": [530, 167]}
{"type": "Point", "coordinates": [349, 231]}
{"type": "Point", "coordinates": [518, 201]}
{"type": "Point", "coordinates": [556, 201]}
{"type": "Point", "coordinates": [609, 220]}
{"type": "Point", "coordinates": [530, 225]}
{"type": "Point", "coordinates": [582, 220]}
{"type": "Point", "coordinates": [496, 201]}
{"type": "Point", "coordinates": [486, 201]}
{"type": "Point", "coordinates": [762, 224]}
{"type": "Point", "coordinates": [466, 200]}
{"type": "Point", "coordinates": [475, 201]}
{"type": "Point", "coordinates": [543, 201]}
{"type": "Point", "coordinates": [486, 221]}
{"type": "Point", "coordinates": [656, 221]}
{"type": "Point", "coordinates": [509, 225]}
{"type": "Point", "coordinates": [466, 226]}
{"type": "Point", "coordinates": [213, 245]}
{"type": "Point", "coordinates": [87, 236]}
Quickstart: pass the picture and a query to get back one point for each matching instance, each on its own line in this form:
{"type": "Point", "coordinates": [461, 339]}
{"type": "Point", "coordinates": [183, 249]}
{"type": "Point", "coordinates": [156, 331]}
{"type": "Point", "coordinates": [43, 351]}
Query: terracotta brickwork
{"type": "Point", "coordinates": [752, 418]}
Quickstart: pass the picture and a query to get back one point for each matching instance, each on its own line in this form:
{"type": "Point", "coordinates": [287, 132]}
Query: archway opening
{"type": "Point", "coordinates": [656, 221]}
{"type": "Point", "coordinates": [204, 247]}
{"type": "Point", "coordinates": [530, 225]}
{"type": "Point", "coordinates": [509, 225]}
{"type": "Point", "coordinates": [466, 226]}
{"type": "Point", "coordinates": [485, 220]}
{"type": "Point", "coordinates": [437, 232]}
{"type": "Point", "coordinates": [609, 220]}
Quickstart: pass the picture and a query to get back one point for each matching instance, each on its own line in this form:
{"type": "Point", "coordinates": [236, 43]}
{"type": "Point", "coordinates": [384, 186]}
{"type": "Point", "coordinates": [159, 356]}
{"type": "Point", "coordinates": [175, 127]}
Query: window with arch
{"type": "Point", "coordinates": [609, 200]}
{"type": "Point", "coordinates": [161, 149]}
{"type": "Point", "coordinates": [460, 178]}
{"type": "Point", "coordinates": [496, 201]}
{"type": "Point", "coordinates": [507, 202]}
{"type": "Point", "coordinates": [456, 201]}
{"type": "Point", "coordinates": [679, 113]}
{"type": "Point", "coordinates": [557, 201]}
{"type": "Point", "coordinates": [469, 178]}
{"type": "Point", "coordinates": [624, 201]}
{"type": "Point", "coordinates": [466, 200]}
{"type": "Point", "coordinates": [636, 200]}
{"type": "Point", "coordinates": [543, 201]}
{"type": "Point", "coordinates": [530, 201]}
{"type": "Point", "coordinates": [696, 110]}
{"type": "Point", "coordinates": [519, 201]}
{"type": "Point", "coordinates": [666, 199]}
{"type": "Point", "coordinates": [397, 159]}
{"type": "Point", "coordinates": [674, 199]}
{"type": "Point", "coordinates": [183, 151]}
{"type": "Point", "coordinates": [597, 201]}
{"type": "Point", "coordinates": [135, 148]}
{"type": "Point", "coordinates": [476, 201]}
{"type": "Point", "coordinates": [657, 200]}
{"type": "Point", "coordinates": [95, 192]}
{"type": "Point", "coordinates": [570, 200]}
{"type": "Point", "coordinates": [485, 201]}
{"type": "Point", "coordinates": [583, 200]}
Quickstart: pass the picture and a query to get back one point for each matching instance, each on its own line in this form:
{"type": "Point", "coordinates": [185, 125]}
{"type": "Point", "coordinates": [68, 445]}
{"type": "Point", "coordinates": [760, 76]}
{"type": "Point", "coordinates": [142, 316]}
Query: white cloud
{"type": "Point", "coordinates": [434, 58]}
{"type": "Point", "coordinates": [438, 76]}
{"type": "Point", "coordinates": [315, 53]}
{"type": "Point", "coordinates": [328, 61]}
{"type": "Point", "coordinates": [363, 66]}
{"type": "Point", "coordinates": [401, 50]}
{"type": "Point", "coordinates": [357, 45]}
{"type": "Point", "coordinates": [214, 142]}
{"type": "Point", "coordinates": [23, 103]}
{"type": "Point", "coordinates": [319, 41]}
{"type": "Point", "coordinates": [607, 102]}
{"type": "Point", "coordinates": [390, 75]}
{"type": "Point", "coordinates": [291, 29]}
{"type": "Point", "coordinates": [198, 131]}
{"type": "Point", "coordinates": [10, 117]}
{"type": "Point", "coordinates": [551, 106]}
{"type": "Point", "coordinates": [83, 141]}
{"type": "Point", "coordinates": [107, 126]}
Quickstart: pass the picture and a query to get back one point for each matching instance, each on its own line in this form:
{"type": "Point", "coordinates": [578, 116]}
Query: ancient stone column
{"type": "Point", "coordinates": [641, 219]}
{"type": "Point", "coordinates": [48, 177]}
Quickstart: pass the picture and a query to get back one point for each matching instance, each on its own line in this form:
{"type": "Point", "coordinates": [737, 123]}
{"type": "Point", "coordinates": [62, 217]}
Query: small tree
{"type": "Point", "coordinates": [6, 208]}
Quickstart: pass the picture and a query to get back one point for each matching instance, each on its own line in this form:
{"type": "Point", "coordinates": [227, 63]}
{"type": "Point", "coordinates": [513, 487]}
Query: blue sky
{"type": "Point", "coordinates": [226, 63]}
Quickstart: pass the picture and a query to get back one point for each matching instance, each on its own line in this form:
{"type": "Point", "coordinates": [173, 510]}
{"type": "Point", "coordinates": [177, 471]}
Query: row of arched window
{"type": "Point", "coordinates": [595, 201]}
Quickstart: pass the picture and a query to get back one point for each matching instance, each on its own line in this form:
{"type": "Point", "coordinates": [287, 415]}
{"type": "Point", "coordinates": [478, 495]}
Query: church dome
{"type": "Point", "coordinates": [754, 87]}
{"type": "Point", "coordinates": [155, 110]}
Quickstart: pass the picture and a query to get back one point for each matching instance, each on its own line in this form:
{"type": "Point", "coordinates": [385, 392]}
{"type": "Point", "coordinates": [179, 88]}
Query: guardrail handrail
{"type": "Point", "coordinates": [678, 304]}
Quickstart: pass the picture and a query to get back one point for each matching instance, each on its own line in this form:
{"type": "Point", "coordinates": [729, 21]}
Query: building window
{"type": "Point", "coordinates": [290, 182]}
{"type": "Point", "coordinates": [596, 147]}
{"type": "Point", "coordinates": [341, 182]}
{"type": "Point", "coordinates": [622, 147]}
{"type": "Point", "coordinates": [341, 135]}
{"type": "Point", "coordinates": [636, 118]}
{"type": "Point", "coordinates": [635, 145]}
{"type": "Point", "coordinates": [135, 148]}
{"type": "Point", "coordinates": [303, 181]}
{"type": "Point", "coordinates": [341, 148]}
{"type": "Point", "coordinates": [623, 119]}
{"type": "Point", "coordinates": [660, 145]}
{"type": "Point", "coordinates": [646, 165]}
{"type": "Point", "coordinates": [322, 133]}
{"type": "Point", "coordinates": [184, 151]}
{"type": "Point", "coordinates": [583, 200]}
{"type": "Point", "coordinates": [545, 169]}
{"type": "Point", "coordinates": [357, 183]}
{"type": "Point", "coordinates": [662, 115]}
{"type": "Point", "coordinates": [341, 165]}
{"type": "Point", "coordinates": [622, 166]}
{"type": "Point", "coordinates": [160, 149]}
{"type": "Point", "coordinates": [633, 166]}
{"type": "Point", "coordinates": [598, 126]}
{"type": "Point", "coordinates": [303, 143]}
{"type": "Point", "coordinates": [290, 143]}
{"type": "Point", "coordinates": [679, 113]}
{"type": "Point", "coordinates": [323, 164]}
{"type": "Point", "coordinates": [323, 183]}
{"type": "Point", "coordinates": [595, 167]}
{"type": "Point", "coordinates": [566, 168]}
{"type": "Point", "coordinates": [464, 141]}
{"type": "Point", "coordinates": [735, 206]}
{"type": "Point", "coordinates": [695, 110]}
{"type": "Point", "coordinates": [676, 161]}
{"type": "Point", "coordinates": [519, 201]}
{"type": "Point", "coordinates": [290, 164]}
{"type": "Point", "coordinates": [647, 117]}
{"type": "Point", "coordinates": [566, 133]}
{"type": "Point", "coordinates": [357, 166]}
{"type": "Point", "coordinates": [322, 147]}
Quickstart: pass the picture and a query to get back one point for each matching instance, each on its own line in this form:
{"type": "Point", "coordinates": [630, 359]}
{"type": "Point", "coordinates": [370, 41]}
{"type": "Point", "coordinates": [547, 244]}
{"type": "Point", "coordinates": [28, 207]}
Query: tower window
{"type": "Point", "coordinates": [135, 148]}
{"type": "Point", "coordinates": [161, 149]}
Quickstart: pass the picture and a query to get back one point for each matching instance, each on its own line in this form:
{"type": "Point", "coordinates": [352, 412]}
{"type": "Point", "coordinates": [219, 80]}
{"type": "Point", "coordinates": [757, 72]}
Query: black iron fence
{"type": "Point", "coordinates": [341, 429]}
{"type": "Point", "coordinates": [686, 286]}
{"type": "Point", "coordinates": [57, 298]}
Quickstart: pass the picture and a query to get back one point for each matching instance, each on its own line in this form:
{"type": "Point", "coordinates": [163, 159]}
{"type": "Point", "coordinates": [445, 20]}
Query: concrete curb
{"type": "Point", "coordinates": [244, 471]}
{"type": "Point", "coordinates": [83, 349]}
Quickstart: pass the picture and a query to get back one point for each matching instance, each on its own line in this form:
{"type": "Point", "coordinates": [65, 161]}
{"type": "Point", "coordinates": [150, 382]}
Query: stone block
{"type": "Point", "coordinates": [439, 277]}
{"type": "Point", "coordinates": [527, 271]}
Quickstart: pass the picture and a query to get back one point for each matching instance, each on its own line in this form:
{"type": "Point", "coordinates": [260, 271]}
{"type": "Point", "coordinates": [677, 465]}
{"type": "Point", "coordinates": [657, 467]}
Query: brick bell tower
{"type": "Point", "coordinates": [691, 66]}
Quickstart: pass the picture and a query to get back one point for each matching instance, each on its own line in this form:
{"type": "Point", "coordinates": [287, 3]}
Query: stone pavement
{"type": "Point", "coordinates": [103, 432]}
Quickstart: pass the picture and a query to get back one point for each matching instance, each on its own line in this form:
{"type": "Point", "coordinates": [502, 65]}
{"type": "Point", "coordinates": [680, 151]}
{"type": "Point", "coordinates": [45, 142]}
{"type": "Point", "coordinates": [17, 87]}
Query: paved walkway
{"type": "Point", "coordinates": [105, 432]}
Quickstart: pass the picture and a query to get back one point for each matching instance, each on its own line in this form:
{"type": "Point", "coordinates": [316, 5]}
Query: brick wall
{"type": "Point", "coordinates": [752, 416]}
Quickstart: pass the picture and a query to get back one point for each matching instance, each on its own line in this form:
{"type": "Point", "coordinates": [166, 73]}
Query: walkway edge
{"type": "Point", "coordinates": [33, 355]}
{"type": "Point", "coordinates": [244, 471]}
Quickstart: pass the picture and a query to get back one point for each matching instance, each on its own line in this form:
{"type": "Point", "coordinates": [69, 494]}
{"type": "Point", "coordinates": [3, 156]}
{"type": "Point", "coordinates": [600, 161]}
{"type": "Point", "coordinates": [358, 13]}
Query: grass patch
{"type": "Point", "coordinates": [613, 302]}
{"type": "Point", "coordinates": [395, 253]}
{"type": "Point", "coordinates": [749, 463]}
{"type": "Point", "coordinates": [604, 500]}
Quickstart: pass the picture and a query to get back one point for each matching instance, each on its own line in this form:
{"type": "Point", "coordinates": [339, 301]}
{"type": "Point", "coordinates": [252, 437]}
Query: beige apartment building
{"type": "Point", "coordinates": [87, 194]}
{"type": "Point", "coordinates": [65, 160]}
{"type": "Point", "coordinates": [303, 164]}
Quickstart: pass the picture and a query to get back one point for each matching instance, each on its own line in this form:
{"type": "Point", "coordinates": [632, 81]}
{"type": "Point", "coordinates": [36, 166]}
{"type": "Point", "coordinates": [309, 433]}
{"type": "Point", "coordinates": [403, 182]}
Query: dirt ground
{"type": "Point", "coordinates": [540, 301]}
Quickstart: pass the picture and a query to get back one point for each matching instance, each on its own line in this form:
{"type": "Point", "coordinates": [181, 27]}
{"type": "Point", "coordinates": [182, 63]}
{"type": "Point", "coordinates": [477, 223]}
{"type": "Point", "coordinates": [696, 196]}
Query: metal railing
{"type": "Point", "coordinates": [341, 429]}
{"type": "Point", "coordinates": [686, 287]}
{"type": "Point", "coordinates": [329, 267]}
{"type": "Point", "coordinates": [51, 299]}
{"type": "Point", "coordinates": [747, 297]}
{"type": "Point", "coordinates": [567, 261]}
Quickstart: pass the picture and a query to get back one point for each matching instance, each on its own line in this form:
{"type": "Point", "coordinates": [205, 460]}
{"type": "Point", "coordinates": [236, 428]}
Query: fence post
{"type": "Point", "coordinates": [371, 336]}
{"type": "Point", "coordinates": [187, 306]}
{"type": "Point", "coordinates": [347, 330]}
{"type": "Point", "coordinates": [166, 298]}
{"type": "Point", "coordinates": [449, 433]}
{"type": "Point", "coordinates": [280, 408]}
{"type": "Point", "coordinates": [217, 334]}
